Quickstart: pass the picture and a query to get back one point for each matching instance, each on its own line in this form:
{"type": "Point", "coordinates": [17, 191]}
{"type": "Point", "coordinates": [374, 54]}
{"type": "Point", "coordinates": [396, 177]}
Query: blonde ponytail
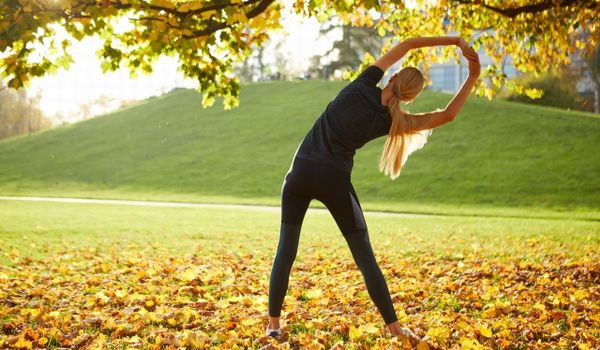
{"type": "Point", "coordinates": [401, 141]}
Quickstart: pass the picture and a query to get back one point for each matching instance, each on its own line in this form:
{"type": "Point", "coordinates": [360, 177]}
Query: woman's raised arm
{"type": "Point", "coordinates": [430, 120]}
{"type": "Point", "coordinates": [398, 51]}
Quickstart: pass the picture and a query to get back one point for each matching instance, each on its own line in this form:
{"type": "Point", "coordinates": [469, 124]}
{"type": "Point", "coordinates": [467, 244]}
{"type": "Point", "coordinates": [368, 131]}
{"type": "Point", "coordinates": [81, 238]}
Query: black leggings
{"type": "Point", "coordinates": [309, 180]}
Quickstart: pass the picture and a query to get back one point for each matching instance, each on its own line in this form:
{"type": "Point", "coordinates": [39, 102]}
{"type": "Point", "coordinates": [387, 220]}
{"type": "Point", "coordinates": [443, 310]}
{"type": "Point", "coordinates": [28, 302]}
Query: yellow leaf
{"type": "Point", "coordinates": [402, 316]}
{"type": "Point", "coordinates": [237, 17]}
{"type": "Point", "coordinates": [354, 333]}
{"type": "Point", "coordinates": [486, 332]}
{"type": "Point", "coordinates": [371, 328]}
{"type": "Point", "coordinates": [195, 340]}
{"type": "Point", "coordinates": [423, 346]}
{"type": "Point", "coordinates": [469, 344]}
{"type": "Point", "coordinates": [23, 344]}
{"type": "Point", "coordinates": [222, 304]}
{"type": "Point", "coordinates": [439, 334]}
{"type": "Point", "coordinates": [579, 295]}
{"type": "Point", "coordinates": [489, 313]}
{"type": "Point", "coordinates": [65, 4]}
{"type": "Point", "coordinates": [162, 3]}
{"type": "Point", "coordinates": [314, 293]}
{"type": "Point", "coordinates": [250, 321]}
{"type": "Point", "coordinates": [134, 339]}
{"type": "Point", "coordinates": [208, 14]}
{"type": "Point", "coordinates": [42, 341]}
{"type": "Point", "coordinates": [100, 295]}
{"type": "Point", "coordinates": [188, 275]}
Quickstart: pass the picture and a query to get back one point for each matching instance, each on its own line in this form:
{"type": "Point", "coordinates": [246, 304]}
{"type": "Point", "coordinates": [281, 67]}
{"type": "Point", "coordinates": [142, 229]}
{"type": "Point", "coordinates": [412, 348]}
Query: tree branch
{"type": "Point", "coordinates": [515, 11]}
{"type": "Point", "coordinates": [260, 8]}
{"type": "Point", "coordinates": [217, 7]}
{"type": "Point", "coordinates": [118, 4]}
{"type": "Point", "coordinates": [141, 19]}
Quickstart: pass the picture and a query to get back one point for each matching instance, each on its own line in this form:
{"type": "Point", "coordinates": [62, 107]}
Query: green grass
{"type": "Point", "coordinates": [497, 158]}
{"type": "Point", "coordinates": [39, 229]}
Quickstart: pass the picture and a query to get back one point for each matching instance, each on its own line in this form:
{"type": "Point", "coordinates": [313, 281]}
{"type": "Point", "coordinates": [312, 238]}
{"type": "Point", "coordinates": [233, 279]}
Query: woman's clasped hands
{"type": "Point", "coordinates": [472, 56]}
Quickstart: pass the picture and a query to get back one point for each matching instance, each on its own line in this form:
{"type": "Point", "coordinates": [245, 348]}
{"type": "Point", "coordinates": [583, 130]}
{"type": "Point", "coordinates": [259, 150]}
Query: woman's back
{"type": "Point", "coordinates": [355, 117]}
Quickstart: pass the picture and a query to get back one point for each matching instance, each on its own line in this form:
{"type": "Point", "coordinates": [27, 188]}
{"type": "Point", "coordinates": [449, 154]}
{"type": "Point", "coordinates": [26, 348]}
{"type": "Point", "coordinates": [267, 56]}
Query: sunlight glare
{"type": "Point", "coordinates": [83, 90]}
{"type": "Point", "coordinates": [84, 84]}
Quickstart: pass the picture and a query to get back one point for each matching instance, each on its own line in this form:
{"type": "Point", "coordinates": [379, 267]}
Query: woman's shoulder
{"type": "Point", "coordinates": [371, 75]}
{"type": "Point", "coordinates": [372, 94]}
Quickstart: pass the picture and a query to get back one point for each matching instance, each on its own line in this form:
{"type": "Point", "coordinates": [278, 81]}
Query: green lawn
{"type": "Point", "coordinates": [497, 158]}
{"type": "Point", "coordinates": [37, 229]}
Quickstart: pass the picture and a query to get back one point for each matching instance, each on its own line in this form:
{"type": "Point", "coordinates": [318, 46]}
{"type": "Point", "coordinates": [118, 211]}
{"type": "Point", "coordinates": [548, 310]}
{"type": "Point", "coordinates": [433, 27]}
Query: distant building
{"type": "Point", "coordinates": [586, 87]}
{"type": "Point", "coordinates": [448, 77]}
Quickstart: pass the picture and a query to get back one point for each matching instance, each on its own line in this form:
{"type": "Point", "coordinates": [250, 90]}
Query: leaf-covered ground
{"type": "Point", "coordinates": [118, 297]}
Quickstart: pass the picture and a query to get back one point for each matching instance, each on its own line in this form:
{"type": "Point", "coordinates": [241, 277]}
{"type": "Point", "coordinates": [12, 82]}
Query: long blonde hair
{"type": "Point", "coordinates": [401, 140]}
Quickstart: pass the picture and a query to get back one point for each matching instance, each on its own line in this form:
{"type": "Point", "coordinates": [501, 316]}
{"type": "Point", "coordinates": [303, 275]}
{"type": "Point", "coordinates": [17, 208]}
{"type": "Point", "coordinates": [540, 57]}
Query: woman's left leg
{"type": "Point", "coordinates": [294, 203]}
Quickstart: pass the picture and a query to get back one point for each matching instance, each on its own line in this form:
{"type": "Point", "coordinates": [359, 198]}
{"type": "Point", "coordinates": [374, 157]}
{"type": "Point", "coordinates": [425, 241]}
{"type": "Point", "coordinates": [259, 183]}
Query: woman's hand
{"type": "Point", "coordinates": [473, 58]}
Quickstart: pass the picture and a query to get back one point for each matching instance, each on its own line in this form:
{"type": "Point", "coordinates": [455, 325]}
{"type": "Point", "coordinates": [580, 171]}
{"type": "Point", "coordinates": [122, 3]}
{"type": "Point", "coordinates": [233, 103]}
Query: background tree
{"type": "Point", "coordinates": [253, 67]}
{"type": "Point", "coordinates": [593, 65]}
{"type": "Point", "coordinates": [210, 37]}
{"type": "Point", "coordinates": [351, 48]}
{"type": "Point", "coordinates": [207, 37]}
{"type": "Point", "coordinates": [20, 113]}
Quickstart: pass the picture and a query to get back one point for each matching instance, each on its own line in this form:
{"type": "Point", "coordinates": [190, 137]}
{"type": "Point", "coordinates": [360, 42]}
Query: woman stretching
{"type": "Point", "coordinates": [323, 162]}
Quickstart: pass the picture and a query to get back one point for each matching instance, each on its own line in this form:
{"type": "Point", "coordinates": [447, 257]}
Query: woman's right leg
{"type": "Point", "coordinates": [293, 209]}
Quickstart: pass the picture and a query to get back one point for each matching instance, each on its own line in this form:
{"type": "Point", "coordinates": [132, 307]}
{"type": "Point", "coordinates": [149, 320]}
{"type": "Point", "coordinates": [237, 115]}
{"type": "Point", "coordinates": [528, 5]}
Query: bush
{"type": "Point", "coordinates": [559, 91]}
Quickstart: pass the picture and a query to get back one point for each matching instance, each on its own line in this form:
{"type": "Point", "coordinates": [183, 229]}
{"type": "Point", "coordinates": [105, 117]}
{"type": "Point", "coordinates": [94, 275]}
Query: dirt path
{"type": "Point", "coordinates": [187, 205]}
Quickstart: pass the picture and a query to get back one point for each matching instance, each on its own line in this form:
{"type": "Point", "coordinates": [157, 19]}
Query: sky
{"type": "Point", "coordinates": [62, 95]}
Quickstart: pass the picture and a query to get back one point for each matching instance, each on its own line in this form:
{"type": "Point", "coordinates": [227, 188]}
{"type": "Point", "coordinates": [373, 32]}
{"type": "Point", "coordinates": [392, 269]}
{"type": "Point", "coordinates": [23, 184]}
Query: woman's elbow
{"type": "Point", "coordinates": [409, 43]}
{"type": "Point", "coordinates": [448, 116]}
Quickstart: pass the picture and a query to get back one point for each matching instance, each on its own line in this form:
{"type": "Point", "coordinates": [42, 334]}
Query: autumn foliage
{"type": "Point", "coordinates": [209, 38]}
{"type": "Point", "coordinates": [94, 299]}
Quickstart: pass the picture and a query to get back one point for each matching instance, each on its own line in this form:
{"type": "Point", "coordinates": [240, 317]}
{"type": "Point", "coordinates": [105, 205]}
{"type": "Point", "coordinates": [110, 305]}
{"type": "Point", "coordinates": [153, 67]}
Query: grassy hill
{"type": "Point", "coordinates": [494, 157]}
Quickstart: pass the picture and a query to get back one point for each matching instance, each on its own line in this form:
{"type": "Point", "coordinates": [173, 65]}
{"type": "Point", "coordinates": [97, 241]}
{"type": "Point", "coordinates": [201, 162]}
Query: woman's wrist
{"type": "Point", "coordinates": [418, 42]}
{"type": "Point", "coordinates": [452, 40]}
{"type": "Point", "coordinates": [449, 40]}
